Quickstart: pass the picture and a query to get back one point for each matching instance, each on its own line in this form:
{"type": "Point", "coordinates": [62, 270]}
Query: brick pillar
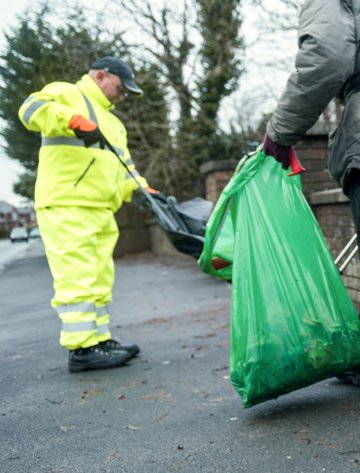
{"type": "Point", "coordinates": [332, 211]}
{"type": "Point", "coordinates": [312, 151]}
{"type": "Point", "coordinates": [216, 175]}
{"type": "Point", "coordinates": [134, 231]}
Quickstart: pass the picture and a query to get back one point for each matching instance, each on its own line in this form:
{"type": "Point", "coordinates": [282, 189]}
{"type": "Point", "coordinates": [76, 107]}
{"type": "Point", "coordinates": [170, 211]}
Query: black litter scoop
{"type": "Point", "coordinates": [184, 223]}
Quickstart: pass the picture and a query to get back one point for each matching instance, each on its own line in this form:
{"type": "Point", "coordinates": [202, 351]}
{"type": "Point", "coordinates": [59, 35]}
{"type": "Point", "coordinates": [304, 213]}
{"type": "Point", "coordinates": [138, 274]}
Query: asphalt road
{"type": "Point", "coordinates": [173, 408]}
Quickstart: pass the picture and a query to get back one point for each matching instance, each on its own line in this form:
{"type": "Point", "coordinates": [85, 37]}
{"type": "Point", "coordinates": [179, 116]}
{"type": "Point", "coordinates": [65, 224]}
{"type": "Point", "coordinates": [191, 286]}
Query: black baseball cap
{"type": "Point", "coordinates": [118, 67]}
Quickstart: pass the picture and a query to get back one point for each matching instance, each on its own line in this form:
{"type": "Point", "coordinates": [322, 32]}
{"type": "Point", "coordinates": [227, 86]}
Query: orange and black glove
{"type": "Point", "coordinates": [140, 201]}
{"type": "Point", "coordinates": [280, 152]}
{"type": "Point", "coordinates": [283, 154]}
{"type": "Point", "coordinates": [150, 190]}
{"type": "Point", "coordinates": [86, 130]}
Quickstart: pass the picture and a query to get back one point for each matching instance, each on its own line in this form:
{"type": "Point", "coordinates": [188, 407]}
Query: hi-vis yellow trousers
{"type": "Point", "coordinates": [79, 244]}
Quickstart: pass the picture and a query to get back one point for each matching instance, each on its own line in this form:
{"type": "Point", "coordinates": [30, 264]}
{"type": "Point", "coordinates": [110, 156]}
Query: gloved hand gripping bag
{"type": "Point", "coordinates": [292, 320]}
{"type": "Point", "coordinates": [220, 232]}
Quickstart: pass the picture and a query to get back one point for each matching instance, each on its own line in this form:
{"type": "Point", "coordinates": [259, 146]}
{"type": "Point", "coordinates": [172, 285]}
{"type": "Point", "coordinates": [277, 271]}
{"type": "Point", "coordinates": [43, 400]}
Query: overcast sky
{"type": "Point", "coordinates": [9, 169]}
{"type": "Point", "coordinates": [246, 102]}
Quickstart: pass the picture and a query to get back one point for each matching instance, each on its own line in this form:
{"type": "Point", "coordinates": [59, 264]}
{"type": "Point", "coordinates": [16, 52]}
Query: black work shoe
{"type": "Point", "coordinates": [115, 346]}
{"type": "Point", "coordinates": [350, 377]}
{"type": "Point", "coordinates": [96, 358]}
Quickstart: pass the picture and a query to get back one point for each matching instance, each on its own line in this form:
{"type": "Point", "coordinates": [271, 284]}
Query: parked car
{"type": "Point", "coordinates": [19, 234]}
{"type": "Point", "coordinates": [34, 233]}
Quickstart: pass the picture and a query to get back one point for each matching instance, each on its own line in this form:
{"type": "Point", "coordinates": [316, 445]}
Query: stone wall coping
{"type": "Point", "coordinates": [222, 165]}
{"type": "Point", "coordinates": [331, 196]}
{"type": "Point", "coordinates": [321, 128]}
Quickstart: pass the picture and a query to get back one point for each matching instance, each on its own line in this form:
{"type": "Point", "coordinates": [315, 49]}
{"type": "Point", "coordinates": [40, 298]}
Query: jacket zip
{"type": "Point", "coordinates": [86, 170]}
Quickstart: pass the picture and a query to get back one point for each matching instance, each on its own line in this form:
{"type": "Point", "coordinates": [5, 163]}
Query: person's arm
{"type": "Point", "coordinates": [325, 60]}
{"type": "Point", "coordinates": [40, 112]}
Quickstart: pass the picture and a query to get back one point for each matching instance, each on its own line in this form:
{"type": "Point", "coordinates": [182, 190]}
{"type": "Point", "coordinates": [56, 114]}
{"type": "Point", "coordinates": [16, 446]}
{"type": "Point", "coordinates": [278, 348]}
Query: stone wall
{"type": "Point", "coordinates": [139, 232]}
{"type": "Point", "coordinates": [330, 206]}
{"type": "Point", "coordinates": [333, 212]}
{"type": "Point", "coordinates": [134, 231]}
{"type": "Point", "coordinates": [216, 174]}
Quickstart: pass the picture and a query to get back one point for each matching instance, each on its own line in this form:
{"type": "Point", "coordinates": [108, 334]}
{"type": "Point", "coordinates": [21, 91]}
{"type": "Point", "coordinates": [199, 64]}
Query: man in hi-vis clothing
{"type": "Point", "coordinates": [79, 186]}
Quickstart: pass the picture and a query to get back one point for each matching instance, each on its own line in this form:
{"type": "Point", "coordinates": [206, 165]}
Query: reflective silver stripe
{"type": "Point", "coordinates": [94, 119]}
{"type": "Point", "coordinates": [70, 141]}
{"type": "Point", "coordinates": [90, 108]}
{"type": "Point", "coordinates": [133, 173]}
{"type": "Point", "coordinates": [80, 307]}
{"type": "Point", "coordinates": [78, 326]}
{"type": "Point", "coordinates": [64, 140]}
{"type": "Point", "coordinates": [119, 151]}
{"type": "Point", "coordinates": [103, 329]}
{"type": "Point", "coordinates": [32, 109]}
{"type": "Point", "coordinates": [102, 310]}
{"type": "Point", "coordinates": [67, 140]}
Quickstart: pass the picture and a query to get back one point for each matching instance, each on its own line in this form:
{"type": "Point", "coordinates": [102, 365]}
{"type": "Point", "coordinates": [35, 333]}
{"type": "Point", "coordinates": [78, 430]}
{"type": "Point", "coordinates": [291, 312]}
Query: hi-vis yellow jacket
{"type": "Point", "coordinates": [68, 173]}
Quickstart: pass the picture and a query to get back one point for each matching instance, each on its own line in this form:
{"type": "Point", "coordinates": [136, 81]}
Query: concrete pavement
{"type": "Point", "coordinates": [173, 408]}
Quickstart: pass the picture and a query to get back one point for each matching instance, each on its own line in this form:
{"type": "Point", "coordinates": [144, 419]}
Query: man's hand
{"type": "Point", "coordinates": [86, 130]}
{"type": "Point", "coordinates": [279, 152]}
{"type": "Point", "coordinates": [150, 190]}
{"type": "Point", "coordinates": [139, 200]}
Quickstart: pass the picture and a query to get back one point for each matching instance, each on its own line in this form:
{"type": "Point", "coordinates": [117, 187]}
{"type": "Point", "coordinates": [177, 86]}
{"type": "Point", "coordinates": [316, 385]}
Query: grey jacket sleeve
{"type": "Point", "coordinates": [325, 60]}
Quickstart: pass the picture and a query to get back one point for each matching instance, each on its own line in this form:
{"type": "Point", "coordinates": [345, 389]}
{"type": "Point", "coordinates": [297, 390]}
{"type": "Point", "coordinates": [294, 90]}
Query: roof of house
{"type": "Point", "coordinates": [5, 207]}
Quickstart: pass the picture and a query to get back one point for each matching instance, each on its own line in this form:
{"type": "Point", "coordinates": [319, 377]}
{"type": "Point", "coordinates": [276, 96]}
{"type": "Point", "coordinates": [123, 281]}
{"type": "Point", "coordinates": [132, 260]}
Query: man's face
{"type": "Point", "coordinates": [112, 86]}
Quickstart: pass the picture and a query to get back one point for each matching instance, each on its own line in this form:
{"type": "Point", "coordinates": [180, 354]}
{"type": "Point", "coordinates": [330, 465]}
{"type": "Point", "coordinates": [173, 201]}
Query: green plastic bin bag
{"type": "Point", "coordinates": [292, 320]}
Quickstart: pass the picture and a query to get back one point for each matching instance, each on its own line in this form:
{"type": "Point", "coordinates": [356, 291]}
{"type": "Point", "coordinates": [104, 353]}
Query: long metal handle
{"type": "Point", "coordinates": [348, 259]}
{"type": "Point", "coordinates": [343, 253]}
{"type": "Point", "coordinates": [152, 202]}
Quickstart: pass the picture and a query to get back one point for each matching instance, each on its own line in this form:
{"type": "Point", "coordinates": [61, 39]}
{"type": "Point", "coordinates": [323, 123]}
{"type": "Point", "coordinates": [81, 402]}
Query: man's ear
{"type": "Point", "coordinates": [100, 74]}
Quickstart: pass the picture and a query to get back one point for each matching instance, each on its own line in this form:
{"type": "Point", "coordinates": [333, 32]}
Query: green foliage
{"type": "Point", "coordinates": [200, 138]}
{"type": "Point", "coordinates": [147, 122]}
{"type": "Point", "coordinates": [219, 26]}
{"type": "Point", "coordinates": [25, 186]}
{"type": "Point", "coordinates": [39, 51]}
{"type": "Point", "coordinates": [36, 54]}
{"type": "Point", "coordinates": [219, 23]}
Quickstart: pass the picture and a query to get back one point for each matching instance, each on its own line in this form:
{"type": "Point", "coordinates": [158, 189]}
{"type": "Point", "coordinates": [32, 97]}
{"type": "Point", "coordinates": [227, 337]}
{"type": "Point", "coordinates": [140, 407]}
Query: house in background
{"type": "Point", "coordinates": [11, 217]}
{"type": "Point", "coordinates": [8, 214]}
{"type": "Point", "coordinates": [26, 216]}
